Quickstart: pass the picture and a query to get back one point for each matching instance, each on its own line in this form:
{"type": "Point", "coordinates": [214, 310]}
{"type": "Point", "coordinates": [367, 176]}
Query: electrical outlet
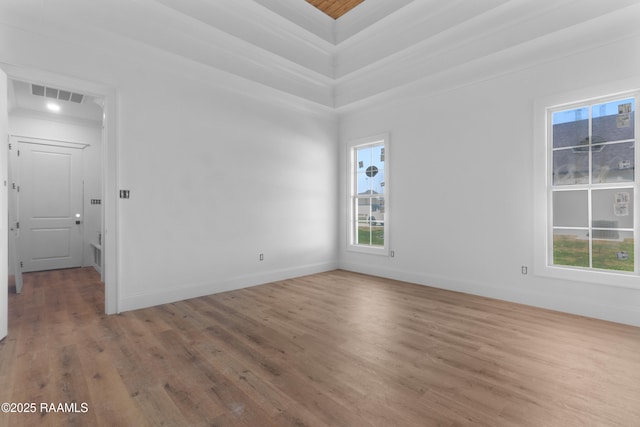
{"type": "Point", "coordinates": [524, 269]}
{"type": "Point", "coordinates": [261, 257]}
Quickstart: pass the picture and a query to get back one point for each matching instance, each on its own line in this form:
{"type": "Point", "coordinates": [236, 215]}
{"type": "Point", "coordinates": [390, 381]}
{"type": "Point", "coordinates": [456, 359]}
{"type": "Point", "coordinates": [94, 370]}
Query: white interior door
{"type": "Point", "coordinates": [4, 209]}
{"type": "Point", "coordinates": [50, 206]}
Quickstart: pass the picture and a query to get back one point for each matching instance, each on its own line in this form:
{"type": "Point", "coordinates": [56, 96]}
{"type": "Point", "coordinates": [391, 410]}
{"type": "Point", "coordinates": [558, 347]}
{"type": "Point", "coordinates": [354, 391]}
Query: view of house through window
{"type": "Point", "coordinates": [593, 185]}
{"type": "Point", "coordinates": [368, 194]}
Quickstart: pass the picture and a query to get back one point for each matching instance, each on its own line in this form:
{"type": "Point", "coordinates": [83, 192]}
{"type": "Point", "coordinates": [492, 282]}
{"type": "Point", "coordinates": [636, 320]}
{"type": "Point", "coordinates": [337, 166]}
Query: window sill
{"type": "Point", "coordinates": [368, 250]}
{"type": "Point", "coordinates": [607, 278]}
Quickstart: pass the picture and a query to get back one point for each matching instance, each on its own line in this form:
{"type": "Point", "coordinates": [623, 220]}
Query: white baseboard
{"type": "Point", "coordinates": [194, 290]}
{"type": "Point", "coordinates": [574, 305]}
{"type": "Point", "coordinates": [578, 306]}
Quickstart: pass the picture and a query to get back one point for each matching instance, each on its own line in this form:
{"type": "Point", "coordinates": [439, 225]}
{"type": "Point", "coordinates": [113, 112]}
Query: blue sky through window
{"type": "Point", "coordinates": [370, 167]}
{"type": "Point", "coordinates": [598, 110]}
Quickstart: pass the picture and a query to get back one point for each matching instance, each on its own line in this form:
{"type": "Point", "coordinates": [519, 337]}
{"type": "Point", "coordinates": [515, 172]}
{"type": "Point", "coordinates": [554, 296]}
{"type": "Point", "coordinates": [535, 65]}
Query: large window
{"type": "Point", "coordinates": [368, 189]}
{"type": "Point", "coordinates": [592, 185]}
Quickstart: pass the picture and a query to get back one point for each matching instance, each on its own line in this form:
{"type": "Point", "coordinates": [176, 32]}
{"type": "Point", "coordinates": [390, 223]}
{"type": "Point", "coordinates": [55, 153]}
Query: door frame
{"type": "Point", "coordinates": [109, 172]}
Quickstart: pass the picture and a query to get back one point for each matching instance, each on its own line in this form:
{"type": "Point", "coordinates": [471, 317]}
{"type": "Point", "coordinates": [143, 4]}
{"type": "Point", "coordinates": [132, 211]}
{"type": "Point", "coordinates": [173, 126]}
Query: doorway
{"type": "Point", "coordinates": [105, 201]}
{"type": "Point", "coordinates": [48, 188]}
{"type": "Point", "coordinates": [54, 132]}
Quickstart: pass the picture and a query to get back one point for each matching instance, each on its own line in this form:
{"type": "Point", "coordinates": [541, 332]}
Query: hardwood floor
{"type": "Point", "coordinates": [333, 349]}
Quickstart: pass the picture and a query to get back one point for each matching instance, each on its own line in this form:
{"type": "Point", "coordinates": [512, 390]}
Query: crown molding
{"type": "Point", "coordinates": [367, 14]}
{"type": "Point", "coordinates": [292, 47]}
{"type": "Point", "coordinates": [615, 29]}
{"type": "Point", "coordinates": [420, 22]}
{"type": "Point", "coordinates": [264, 29]}
{"type": "Point", "coordinates": [304, 15]}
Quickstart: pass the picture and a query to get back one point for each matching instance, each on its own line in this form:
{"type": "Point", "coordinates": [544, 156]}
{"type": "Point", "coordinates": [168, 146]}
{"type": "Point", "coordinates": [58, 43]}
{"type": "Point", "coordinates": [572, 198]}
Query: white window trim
{"type": "Point", "coordinates": [351, 187]}
{"type": "Point", "coordinates": [542, 206]}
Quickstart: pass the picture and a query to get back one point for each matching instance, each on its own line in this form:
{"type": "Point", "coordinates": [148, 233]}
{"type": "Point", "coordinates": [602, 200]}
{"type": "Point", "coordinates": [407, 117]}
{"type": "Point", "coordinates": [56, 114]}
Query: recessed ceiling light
{"type": "Point", "coordinates": [53, 107]}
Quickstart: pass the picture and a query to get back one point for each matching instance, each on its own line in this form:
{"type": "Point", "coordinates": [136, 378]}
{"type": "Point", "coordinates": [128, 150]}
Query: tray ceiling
{"type": "Point", "coordinates": [379, 47]}
{"type": "Point", "coordinates": [335, 8]}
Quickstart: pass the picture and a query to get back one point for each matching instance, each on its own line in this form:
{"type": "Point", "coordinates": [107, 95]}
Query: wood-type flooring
{"type": "Point", "coordinates": [332, 349]}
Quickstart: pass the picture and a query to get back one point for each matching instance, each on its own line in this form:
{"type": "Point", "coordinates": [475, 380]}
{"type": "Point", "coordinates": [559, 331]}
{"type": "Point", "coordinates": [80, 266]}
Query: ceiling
{"type": "Point", "coordinates": [379, 47]}
{"type": "Point", "coordinates": [335, 8]}
{"type": "Point", "coordinates": [22, 101]}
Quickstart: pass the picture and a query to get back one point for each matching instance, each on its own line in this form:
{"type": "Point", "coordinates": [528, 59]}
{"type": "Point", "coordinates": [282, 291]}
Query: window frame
{"type": "Point", "coordinates": [352, 195]}
{"type": "Point", "coordinates": [542, 164]}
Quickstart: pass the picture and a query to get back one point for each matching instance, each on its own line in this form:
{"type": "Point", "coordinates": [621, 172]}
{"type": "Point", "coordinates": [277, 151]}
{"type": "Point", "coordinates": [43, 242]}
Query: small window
{"type": "Point", "coordinates": [368, 195]}
{"type": "Point", "coordinates": [592, 185]}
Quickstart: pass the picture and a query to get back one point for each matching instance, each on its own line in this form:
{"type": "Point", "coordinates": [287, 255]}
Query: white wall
{"type": "Point", "coordinates": [461, 190]}
{"type": "Point", "coordinates": [21, 124]}
{"type": "Point", "coordinates": [217, 178]}
{"type": "Point", "coordinates": [219, 169]}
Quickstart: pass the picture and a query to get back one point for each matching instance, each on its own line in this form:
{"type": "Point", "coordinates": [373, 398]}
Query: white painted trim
{"type": "Point", "coordinates": [350, 163]}
{"type": "Point", "coordinates": [4, 208]}
{"type": "Point", "coordinates": [303, 15]}
{"type": "Point", "coordinates": [291, 47]}
{"type": "Point", "coordinates": [46, 141]}
{"type": "Point", "coordinates": [110, 274]}
{"type": "Point", "coordinates": [364, 16]}
{"type": "Point", "coordinates": [110, 214]}
{"type": "Point", "coordinates": [431, 68]}
{"type": "Point", "coordinates": [21, 112]}
{"type": "Point", "coordinates": [541, 175]}
{"type": "Point", "coordinates": [566, 304]}
{"type": "Point", "coordinates": [195, 290]}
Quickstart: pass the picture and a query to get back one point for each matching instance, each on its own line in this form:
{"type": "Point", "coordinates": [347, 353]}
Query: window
{"type": "Point", "coordinates": [592, 185]}
{"type": "Point", "coordinates": [368, 195]}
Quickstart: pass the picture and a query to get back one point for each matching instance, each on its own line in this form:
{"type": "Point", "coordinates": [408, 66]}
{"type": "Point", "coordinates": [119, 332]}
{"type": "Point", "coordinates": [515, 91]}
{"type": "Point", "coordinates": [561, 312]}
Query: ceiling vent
{"type": "Point", "coordinates": [62, 95]}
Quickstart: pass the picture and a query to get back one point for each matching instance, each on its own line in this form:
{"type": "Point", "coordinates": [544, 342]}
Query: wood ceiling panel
{"type": "Point", "coordinates": [335, 8]}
